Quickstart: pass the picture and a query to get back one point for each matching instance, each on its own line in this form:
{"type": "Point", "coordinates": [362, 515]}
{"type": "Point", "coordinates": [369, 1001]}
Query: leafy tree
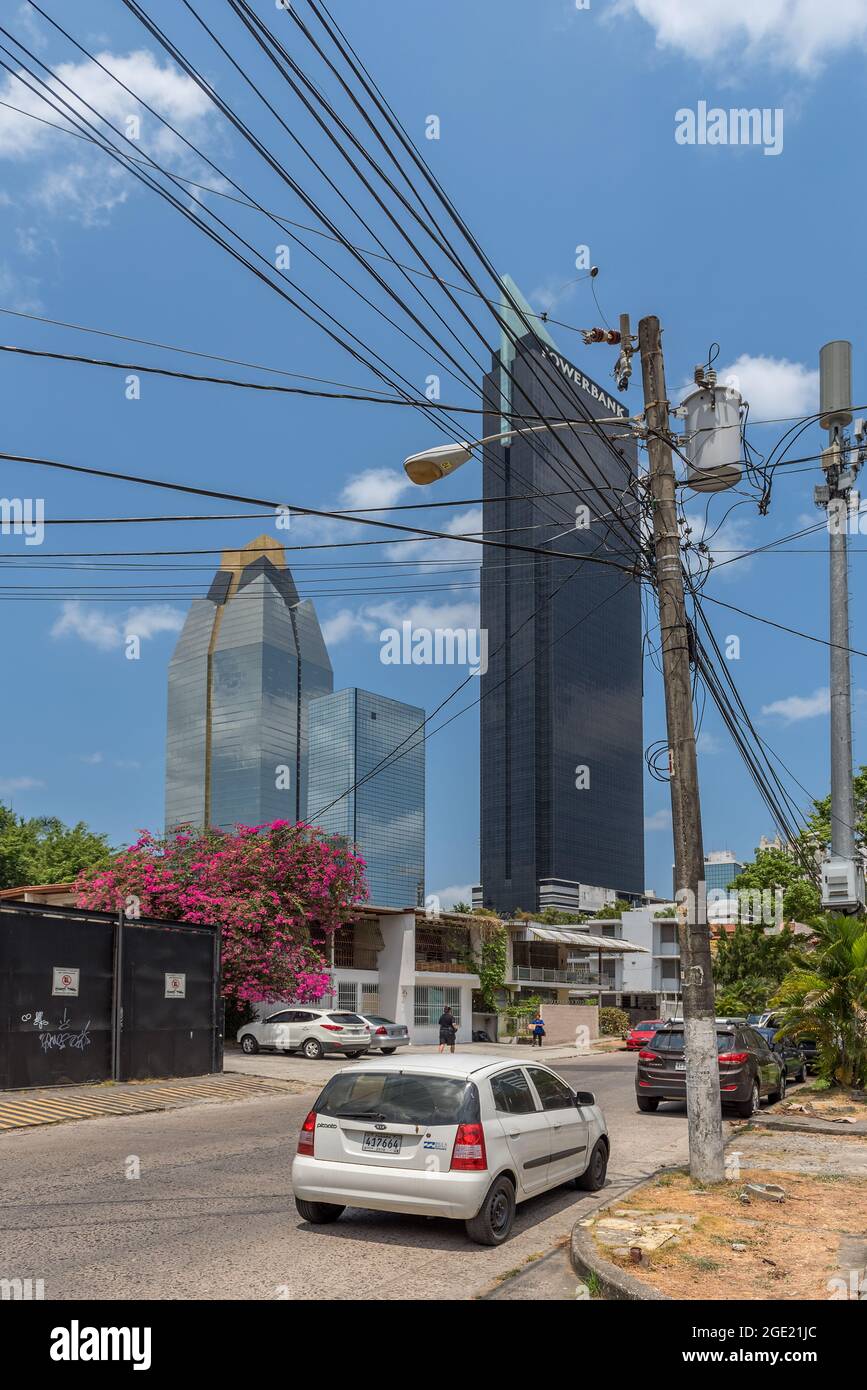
{"type": "Point", "coordinates": [748, 996]}
{"type": "Point", "coordinates": [44, 850]}
{"type": "Point", "coordinates": [818, 830]}
{"type": "Point", "coordinates": [826, 999]}
{"type": "Point", "coordinates": [266, 886]}
{"type": "Point", "coordinates": [772, 869]}
{"type": "Point", "coordinates": [616, 909]}
{"type": "Point", "coordinates": [490, 966]}
{"type": "Point", "coordinates": [461, 907]}
{"type": "Point", "coordinates": [750, 954]}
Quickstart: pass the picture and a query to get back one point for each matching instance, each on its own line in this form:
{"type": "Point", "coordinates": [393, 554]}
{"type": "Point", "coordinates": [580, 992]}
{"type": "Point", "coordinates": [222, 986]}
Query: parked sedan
{"type": "Point", "coordinates": [791, 1053]}
{"type": "Point", "coordinates": [456, 1136]}
{"type": "Point", "coordinates": [312, 1032]}
{"type": "Point", "coordinates": [641, 1033]}
{"type": "Point", "coordinates": [386, 1035]}
{"type": "Point", "coordinates": [748, 1068]}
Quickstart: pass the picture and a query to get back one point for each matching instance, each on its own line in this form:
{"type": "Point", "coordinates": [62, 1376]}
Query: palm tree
{"type": "Point", "coordinates": [826, 998]}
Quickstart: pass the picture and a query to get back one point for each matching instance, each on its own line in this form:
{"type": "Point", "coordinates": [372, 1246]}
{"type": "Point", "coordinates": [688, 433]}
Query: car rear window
{"type": "Point", "coordinates": [671, 1040]}
{"type": "Point", "coordinates": [375, 1018]}
{"type": "Point", "coordinates": [400, 1098]}
{"type": "Point", "coordinates": [345, 1018]}
{"type": "Point", "coordinates": [648, 1027]}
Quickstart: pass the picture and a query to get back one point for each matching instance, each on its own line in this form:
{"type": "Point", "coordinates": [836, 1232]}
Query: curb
{"type": "Point", "coordinates": [614, 1282]}
{"type": "Point", "coordinates": [807, 1126]}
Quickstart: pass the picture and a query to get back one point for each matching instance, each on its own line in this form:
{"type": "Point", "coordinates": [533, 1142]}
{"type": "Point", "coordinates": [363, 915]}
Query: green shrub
{"type": "Point", "coordinates": [613, 1022]}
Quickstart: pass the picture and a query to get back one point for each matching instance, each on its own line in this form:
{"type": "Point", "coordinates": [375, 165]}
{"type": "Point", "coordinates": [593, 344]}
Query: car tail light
{"type": "Point", "coordinates": [469, 1154]}
{"type": "Point", "coordinates": [307, 1135]}
{"type": "Point", "coordinates": [332, 1027]}
{"type": "Point", "coordinates": [382, 1030]}
{"type": "Point", "coordinates": [646, 1056]}
{"type": "Point", "coordinates": [738, 1058]}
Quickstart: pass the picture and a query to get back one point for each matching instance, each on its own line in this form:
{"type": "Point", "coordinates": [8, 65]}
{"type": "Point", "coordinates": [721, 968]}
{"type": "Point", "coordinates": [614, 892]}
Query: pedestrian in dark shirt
{"type": "Point", "coordinates": [538, 1029]}
{"type": "Point", "coordinates": [448, 1032]}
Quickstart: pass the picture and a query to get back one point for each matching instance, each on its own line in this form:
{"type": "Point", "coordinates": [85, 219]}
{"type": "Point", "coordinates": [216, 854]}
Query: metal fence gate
{"type": "Point", "coordinates": [87, 996]}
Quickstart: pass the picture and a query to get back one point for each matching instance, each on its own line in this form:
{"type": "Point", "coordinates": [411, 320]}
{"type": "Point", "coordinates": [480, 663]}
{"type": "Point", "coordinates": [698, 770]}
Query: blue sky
{"type": "Point", "coordinates": [557, 129]}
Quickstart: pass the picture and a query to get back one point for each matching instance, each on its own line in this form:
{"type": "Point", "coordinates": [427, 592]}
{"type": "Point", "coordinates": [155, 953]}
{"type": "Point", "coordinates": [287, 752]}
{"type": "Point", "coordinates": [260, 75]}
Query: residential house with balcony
{"type": "Point", "coordinates": [407, 966]}
{"type": "Point", "coordinates": [569, 964]}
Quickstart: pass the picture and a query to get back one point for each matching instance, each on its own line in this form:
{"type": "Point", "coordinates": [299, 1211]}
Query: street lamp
{"type": "Point", "coordinates": [435, 463]}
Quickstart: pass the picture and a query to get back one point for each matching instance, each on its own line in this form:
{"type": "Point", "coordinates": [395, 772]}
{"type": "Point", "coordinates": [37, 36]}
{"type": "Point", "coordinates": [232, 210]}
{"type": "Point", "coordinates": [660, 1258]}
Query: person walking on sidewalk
{"type": "Point", "coordinates": [538, 1029]}
{"type": "Point", "coordinates": [448, 1032]}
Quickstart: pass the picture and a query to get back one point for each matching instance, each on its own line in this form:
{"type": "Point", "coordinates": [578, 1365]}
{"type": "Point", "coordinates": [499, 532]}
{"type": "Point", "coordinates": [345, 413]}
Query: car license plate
{"type": "Point", "coordinates": [680, 1066]}
{"type": "Point", "coordinates": [381, 1143]}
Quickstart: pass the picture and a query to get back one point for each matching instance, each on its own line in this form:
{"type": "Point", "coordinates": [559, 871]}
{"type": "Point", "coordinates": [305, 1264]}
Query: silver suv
{"type": "Point", "coordinates": [313, 1032]}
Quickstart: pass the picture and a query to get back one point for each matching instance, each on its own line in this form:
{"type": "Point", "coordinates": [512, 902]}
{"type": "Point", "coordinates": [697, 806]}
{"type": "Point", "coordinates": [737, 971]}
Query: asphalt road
{"type": "Point", "coordinates": [211, 1214]}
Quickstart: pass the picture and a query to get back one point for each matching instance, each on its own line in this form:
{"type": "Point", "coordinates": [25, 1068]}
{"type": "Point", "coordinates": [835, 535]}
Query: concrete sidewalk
{"type": "Point", "coordinates": [288, 1066]}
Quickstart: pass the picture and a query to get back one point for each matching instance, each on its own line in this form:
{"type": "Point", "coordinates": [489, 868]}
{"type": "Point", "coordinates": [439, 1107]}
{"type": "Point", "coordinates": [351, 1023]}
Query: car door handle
{"type": "Point", "coordinates": [515, 1134]}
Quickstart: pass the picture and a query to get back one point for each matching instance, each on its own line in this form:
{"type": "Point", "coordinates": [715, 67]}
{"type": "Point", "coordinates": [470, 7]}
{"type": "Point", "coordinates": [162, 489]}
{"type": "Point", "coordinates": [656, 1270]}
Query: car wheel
{"type": "Point", "coordinates": [387, 1051]}
{"type": "Point", "coordinates": [493, 1224]}
{"type": "Point", "coordinates": [747, 1108]}
{"type": "Point", "coordinates": [352, 1055]}
{"type": "Point", "coordinates": [593, 1177]}
{"type": "Point", "coordinates": [648, 1103]}
{"type": "Point", "coordinates": [780, 1093]}
{"type": "Point", "coordinates": [318, 1213]}
{"type": "Point", "coordinates": [249, 1045]}
{"type": "Point", "coordinates": [312, 1049]}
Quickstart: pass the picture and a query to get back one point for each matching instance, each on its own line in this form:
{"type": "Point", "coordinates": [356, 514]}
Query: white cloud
{"type": "Point", "coordinates": [456, 893]}
{"type": "Point", "coordinates": [774, 387]}
{"type": "Point", "coordinates": [345, 624]}
{"type": "Point", "coordinates": [107, 631]}
{"type": "Point", "coordinates": [659, 820]}
{"type": "Point", "coordinates": [465, 523]}
{"type": "Point", "coordinates": [729, 542]}
{"type": "Point", "coordinates": [707, 743]}
{"type": "Point", "coordinates": [151, 619]}
{"type": "Point", "coordinates": [19, 784]}
{"type": "Point", "coordinates": [18, 291]}
{"type": "Point", "coordinates": [374, 487]}
{"type": "Point", "coordinates": [795, 707]}
{"type": "Point", "coordinates": [93, 758]}
{"type": "Point", "coordinates": [798, 34]}
{"type": "Point", "coordinates": [81, 183]}
{"type": "Point", "coordinates": [369, 620]}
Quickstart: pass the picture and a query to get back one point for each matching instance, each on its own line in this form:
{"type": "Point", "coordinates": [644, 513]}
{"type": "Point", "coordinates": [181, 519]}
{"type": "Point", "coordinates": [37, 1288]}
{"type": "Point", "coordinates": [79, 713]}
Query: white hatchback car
{"type": "Point", "coordinates": [466, 1137]}
{"type": "Point", "coordinates": [312, 1032]}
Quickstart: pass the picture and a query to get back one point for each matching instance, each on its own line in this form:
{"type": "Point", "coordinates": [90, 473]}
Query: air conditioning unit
{"type": "Point", "coordinates": [842, 885]}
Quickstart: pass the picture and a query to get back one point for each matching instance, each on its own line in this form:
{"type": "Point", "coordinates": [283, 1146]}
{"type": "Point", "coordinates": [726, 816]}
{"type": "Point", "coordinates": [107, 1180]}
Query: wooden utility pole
{"type": "Point", "coordinates": [706, 1160]}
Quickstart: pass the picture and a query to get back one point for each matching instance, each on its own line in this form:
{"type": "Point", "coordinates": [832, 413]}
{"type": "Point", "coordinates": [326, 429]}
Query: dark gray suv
{"type": "Point", "coordinates": [749, 1070]}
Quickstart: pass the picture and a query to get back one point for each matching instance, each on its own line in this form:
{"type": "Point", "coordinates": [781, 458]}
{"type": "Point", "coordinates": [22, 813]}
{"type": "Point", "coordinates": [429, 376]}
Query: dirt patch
{"type": "Point", "coordinates": [791, 1249]}
{"type": "Point", "coordinates": [838, 1104]}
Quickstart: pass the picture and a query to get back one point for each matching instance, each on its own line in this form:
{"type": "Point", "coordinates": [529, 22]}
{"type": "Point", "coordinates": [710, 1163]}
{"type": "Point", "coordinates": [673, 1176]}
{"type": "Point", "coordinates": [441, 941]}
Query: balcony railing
{"type": "Point", "coordinates": [542, 975]}
{"type": "Point", "coordinates": [668, 948]}
{"type": "Point", "coordinates": [444, 967]}
{"type": "Point", "coordinates": [355, 957]}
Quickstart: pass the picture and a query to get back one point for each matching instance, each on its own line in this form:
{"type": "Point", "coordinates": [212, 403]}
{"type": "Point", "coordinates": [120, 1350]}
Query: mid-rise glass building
{"type": "Point", "coordinates": [248, 662]}
{"type": "Point", "coordinates": [561, 712]}
{"type": "Point", "coordinates": [351, 733]}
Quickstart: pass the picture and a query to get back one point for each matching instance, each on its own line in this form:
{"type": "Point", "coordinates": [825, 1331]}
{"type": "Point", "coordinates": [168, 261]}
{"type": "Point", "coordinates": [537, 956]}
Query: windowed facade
{"type": "Point", "coordinates": [430, 1000]}
{"type": "Point", "coordinates": [561, 728]}
{"type": "Point", "coordinates": [351, 733]}
{"type": "Point", "coordinates": [249, 660]}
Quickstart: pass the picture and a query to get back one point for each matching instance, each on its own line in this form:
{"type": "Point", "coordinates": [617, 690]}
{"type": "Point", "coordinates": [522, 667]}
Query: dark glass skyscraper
{"type": "Point", "coordinates": [351, 733]}
{"type": "Point", "coordinates": [249, 660]}
{"type": "Point", "coordinates": [561, 728]}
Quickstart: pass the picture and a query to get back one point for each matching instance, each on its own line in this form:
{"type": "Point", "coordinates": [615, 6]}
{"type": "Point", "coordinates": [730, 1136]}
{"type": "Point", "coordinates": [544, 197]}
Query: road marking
{"type": "Point", "coordinates": [46, 1110]}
